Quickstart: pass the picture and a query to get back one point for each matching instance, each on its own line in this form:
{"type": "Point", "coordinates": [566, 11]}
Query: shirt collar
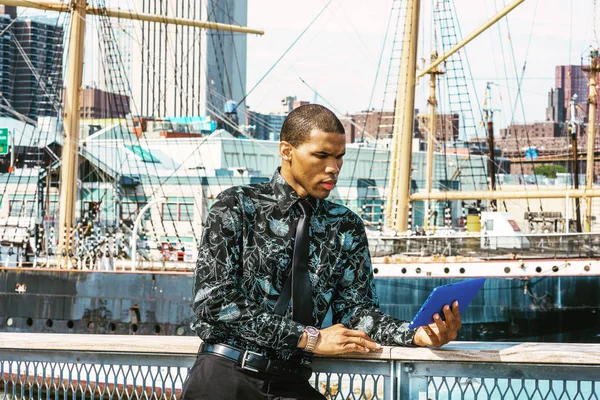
{"type": "Point", "coordinates": [286, 195]}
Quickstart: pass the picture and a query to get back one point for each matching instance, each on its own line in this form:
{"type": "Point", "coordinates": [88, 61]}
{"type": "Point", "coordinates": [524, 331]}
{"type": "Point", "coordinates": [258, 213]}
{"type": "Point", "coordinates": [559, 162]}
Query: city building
{"type": "Point", "coordinates": [368, 125]}
{"type": "Point", "coordinates": [534, 144]}
{"type": "Point", "coordinates": [191, 171]}
{"type": "Point", "coordinates": [446, 126]}
{"type": "Point", "coordinates": [96, 103]}
{"type": "Point", "coordinates": [31, 55]}
{"type": "Point", "coordinates": [265, 126]}
{"type": "Point", "coordinates": [573, 81]}
{"type": "Point", "coordinates": [181, 71]}
{"type": "Point", "coordinates": [38, 60]}
{"type": "Point", "coordinates": [289, 103]}
{"type": "Point", "coordinates": [556, 110]}
{"type": "Point", "coordinates": [533, 132]}
{"type": "Point", "coordinates": [7, 14]}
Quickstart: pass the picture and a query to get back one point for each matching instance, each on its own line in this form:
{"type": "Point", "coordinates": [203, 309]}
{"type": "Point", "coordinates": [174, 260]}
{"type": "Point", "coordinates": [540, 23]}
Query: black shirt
{"type": "Point", "coordinates": [245, 257]}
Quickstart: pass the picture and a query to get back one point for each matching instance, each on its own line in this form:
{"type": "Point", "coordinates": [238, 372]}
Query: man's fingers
{"type": "Point", "coordinates": [442, 329]}
{"type": "Point", "coordinates": [350, 332]}
{"type": "Point", "coordinates": [363, 338]}
{"type": "Point", "coordinates": [364, 342]}
{"type": "Point", "coordinates": [435, 341]}
{"type": "Point", "coordinates": [337, 339]}
{"type": "Point", "coordinates": [452, 321]}
{"type": "Point", "coordinates": [353, 347]}
{"type": "Point", "coordinates": [456, 312]}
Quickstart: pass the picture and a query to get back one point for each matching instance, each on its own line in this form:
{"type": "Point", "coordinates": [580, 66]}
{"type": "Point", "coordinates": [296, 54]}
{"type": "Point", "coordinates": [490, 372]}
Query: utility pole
{"type": "Point", "coordinates": [591, 131]}
{"type": "Point", "coordinates": [489, 118]}
{"type": "Point", "coordinates": [432, 101]}
{"type": "Point", "coordinates": [79, 9]}
{"type": "Point", "coordinates": [573, 130]}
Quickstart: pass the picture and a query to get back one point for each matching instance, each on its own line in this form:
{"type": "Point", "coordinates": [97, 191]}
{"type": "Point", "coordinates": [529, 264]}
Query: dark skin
{"type": "Point", "coordinates": [312, 169]}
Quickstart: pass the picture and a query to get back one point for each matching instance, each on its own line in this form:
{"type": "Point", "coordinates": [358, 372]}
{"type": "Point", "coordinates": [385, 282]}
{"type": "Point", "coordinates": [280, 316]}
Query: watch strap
{"type": "Point", "coordinates": [311, 339]}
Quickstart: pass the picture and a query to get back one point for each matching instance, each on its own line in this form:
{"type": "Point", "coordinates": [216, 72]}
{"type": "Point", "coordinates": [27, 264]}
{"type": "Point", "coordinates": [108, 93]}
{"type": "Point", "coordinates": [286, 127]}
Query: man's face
{"type": "Point", "coordinates": [314, 166]}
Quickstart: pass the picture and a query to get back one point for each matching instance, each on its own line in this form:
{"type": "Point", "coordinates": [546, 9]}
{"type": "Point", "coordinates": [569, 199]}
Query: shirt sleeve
{"type": "Point", "coordinates": [218, 300]}
{"type": "Point", "coordinates": [356, 305]}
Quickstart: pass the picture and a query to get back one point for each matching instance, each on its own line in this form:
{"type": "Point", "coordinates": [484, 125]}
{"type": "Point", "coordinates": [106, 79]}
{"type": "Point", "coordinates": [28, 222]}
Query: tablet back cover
{"type": "Point", "coordinates": [463, 291]}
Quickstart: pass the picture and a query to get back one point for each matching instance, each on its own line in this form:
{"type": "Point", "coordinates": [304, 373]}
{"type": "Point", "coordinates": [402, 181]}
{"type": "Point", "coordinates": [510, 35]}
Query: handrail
{"type": "Point", "coordinates": [488, 352]}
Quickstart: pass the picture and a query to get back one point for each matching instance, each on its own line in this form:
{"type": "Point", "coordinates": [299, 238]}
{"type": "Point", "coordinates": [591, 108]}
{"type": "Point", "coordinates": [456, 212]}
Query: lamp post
{"type": "Point", "coordinates": [135, 229]}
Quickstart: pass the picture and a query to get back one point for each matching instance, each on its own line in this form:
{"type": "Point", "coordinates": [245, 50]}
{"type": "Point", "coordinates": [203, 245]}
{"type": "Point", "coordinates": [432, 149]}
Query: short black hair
{"type": "Point", "coordinates": [302, 120]}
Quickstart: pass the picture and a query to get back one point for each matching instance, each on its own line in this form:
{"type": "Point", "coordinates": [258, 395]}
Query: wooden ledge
{"type": "Point", "coordinates": [489, 352]}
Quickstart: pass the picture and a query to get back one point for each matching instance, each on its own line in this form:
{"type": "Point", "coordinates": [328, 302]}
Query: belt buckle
{"type": "Point", "coordinates": [245, 359]}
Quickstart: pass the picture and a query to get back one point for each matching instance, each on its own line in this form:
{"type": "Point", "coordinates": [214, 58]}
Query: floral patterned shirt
{"type": "Point", "coordinates": [245, 257]}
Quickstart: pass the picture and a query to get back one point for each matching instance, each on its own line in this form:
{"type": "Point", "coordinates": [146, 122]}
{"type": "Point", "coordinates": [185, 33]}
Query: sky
{"type": "Point", "coordinates": [344, 55]}
{"type": "Point", "coordinates": [339, 54]}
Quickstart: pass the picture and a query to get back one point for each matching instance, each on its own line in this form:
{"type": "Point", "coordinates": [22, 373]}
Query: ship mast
{"type": "Point", "coordinates": [399, 186]}
{"type": "Point", "coordinates": [489, 118]}
{"type": "Point", "coordinates": [70, 153]}
{"type": "Point", "coordinates": [573, 130]}
{"type": "Point", "coordinates": [74, 74]}
{"type": "Point", "coordinates": [399, 197]}
{"type": "Point", "coordinates": [430, 135]}
{"type": "Point", "coordinates": [592, 103]}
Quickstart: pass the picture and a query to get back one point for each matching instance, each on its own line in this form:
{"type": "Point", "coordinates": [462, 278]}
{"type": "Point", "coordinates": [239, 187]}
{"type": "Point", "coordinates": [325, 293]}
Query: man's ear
{"type": "Point", "coordinates": [285, 150]}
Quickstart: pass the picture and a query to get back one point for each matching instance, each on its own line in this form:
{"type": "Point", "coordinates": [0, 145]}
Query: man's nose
{"type": "Point", "coordinates": [334, 166]}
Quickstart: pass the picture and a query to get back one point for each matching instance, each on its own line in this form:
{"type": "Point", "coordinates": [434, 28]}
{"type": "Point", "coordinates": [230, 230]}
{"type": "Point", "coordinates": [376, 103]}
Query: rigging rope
{"type": "Point", "coordinates": [519, 98]}
{"type": "Point", "coordinates": [286, 51]}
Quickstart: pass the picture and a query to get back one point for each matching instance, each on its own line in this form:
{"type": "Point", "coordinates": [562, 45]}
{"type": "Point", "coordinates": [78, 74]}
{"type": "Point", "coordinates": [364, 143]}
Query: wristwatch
{"type": "Point", "coordinates": [312, 338]}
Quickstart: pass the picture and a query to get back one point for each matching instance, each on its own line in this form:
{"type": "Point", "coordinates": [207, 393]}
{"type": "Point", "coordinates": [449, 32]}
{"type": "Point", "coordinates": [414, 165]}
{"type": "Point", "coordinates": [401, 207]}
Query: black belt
{"type": "Point", "coordinates": [255, 362]}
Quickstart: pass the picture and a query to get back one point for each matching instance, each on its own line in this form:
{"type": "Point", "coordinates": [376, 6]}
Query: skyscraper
{"type": "Point", "coordinates": [572, 80]}
{"type": "Point", "coordinates": [184, 71]}
{"type": "Point", "coordinates": [31, 56]}
{"type": "Point", "coordinates": [556, 105]}
{"type": "Point", "coordinates": [6, 61]}
{"type": "Point", "coordinates": [37, 68]}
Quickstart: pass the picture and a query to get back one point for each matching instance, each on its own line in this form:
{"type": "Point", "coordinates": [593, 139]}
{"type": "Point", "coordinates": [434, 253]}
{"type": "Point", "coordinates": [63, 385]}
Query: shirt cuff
{"type": "Point", "coordinates": [410, 337]}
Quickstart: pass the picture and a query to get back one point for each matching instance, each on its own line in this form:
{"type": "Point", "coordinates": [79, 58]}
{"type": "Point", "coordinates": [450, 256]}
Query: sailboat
{"type": "Point", "coordinates": [107, 241]}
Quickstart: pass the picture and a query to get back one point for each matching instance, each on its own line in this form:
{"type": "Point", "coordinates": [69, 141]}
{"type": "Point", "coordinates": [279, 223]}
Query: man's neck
{"type": "Point", "coordinates": [289, 178]}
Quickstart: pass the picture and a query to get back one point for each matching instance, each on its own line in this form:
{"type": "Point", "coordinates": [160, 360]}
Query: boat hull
{"type": "Point", "coordinates": [557, 308]}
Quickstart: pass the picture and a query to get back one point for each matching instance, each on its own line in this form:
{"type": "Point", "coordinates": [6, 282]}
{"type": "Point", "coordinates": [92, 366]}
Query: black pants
{"type": "Point", "coordinates": [216, 378]}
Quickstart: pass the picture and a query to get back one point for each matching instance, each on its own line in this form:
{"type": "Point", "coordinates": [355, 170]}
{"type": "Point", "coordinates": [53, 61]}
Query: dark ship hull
{"type": "Point", "coordinates": [541, 308]}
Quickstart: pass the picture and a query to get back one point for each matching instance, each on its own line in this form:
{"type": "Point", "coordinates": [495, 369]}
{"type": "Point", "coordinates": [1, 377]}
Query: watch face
{"type": "Point", "coordinates": [311, 330]}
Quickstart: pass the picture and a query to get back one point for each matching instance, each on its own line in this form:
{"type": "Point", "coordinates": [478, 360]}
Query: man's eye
{"type": "Point", "coordinates": [321, 156]}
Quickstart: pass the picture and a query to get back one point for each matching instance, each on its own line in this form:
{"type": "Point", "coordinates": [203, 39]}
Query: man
{"type": "Point", "coordinates": [255, 346]}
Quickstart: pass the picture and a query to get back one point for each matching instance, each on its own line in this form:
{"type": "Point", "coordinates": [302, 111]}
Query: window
{"type": "Point", "coordinates": [15, 208]}
{"type": "Point", "coordinates": [186, 212]}
{"type": "Point", "coordinates": [128, 210]}
{"type": "Point", "coordinates": [176, 210]}
{"type": "Point", "coordinates": [170, 212]}
{"type": "Point", "coordinates": [30, 208]}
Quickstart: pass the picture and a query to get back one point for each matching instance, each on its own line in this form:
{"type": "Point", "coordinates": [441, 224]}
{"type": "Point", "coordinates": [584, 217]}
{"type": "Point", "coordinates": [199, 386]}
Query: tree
{"type": "Point", "coordinates": [549, 170]}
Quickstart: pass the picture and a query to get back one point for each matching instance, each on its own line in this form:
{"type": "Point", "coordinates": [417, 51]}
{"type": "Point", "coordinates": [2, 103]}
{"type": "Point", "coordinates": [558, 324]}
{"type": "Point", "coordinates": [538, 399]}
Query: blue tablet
{"type": "Point", "coordinates": [464, 292]}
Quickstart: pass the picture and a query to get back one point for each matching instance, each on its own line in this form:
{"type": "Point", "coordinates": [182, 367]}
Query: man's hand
{"type": "Point", "coordinates": [337, 339]}
{"type": "Point", "coordinates": [440, 332]}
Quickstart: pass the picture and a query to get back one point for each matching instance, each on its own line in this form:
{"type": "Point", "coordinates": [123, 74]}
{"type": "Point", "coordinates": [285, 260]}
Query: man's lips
{"type": "Point", "coordinates": [328, 185]}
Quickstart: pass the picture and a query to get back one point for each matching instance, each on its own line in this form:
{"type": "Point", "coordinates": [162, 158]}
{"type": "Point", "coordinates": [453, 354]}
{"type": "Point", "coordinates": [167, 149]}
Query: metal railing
{"type": "Point", "coordinates": [51, 366]}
